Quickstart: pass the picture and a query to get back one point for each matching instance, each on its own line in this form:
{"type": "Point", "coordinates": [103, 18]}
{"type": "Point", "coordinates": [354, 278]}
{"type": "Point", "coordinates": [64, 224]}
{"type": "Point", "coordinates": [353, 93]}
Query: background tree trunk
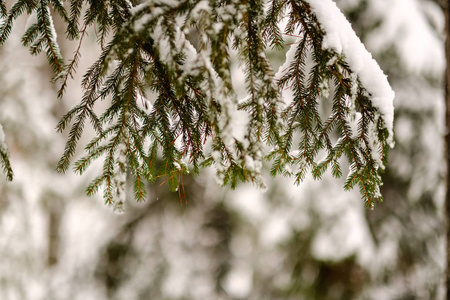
{"type": "Point", "coordinates": [446, 7]}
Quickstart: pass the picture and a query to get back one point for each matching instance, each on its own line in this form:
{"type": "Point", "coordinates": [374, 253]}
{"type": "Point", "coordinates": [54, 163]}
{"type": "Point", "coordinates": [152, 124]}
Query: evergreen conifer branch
{"type": "Point", "coordinates": [349, 103]}
{"type": "Point", "coordinates": [151, 49]}
{"type": "Point", "coordinates": [72, 30]}
{"type": "Point", "coordinates": [48, 35]}
{"type": "Point", "coordinates": [272, 33]}
{"type": "Point", "coordinates": [18, 8]}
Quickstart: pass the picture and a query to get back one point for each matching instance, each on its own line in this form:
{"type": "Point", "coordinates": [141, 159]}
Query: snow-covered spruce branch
{"type": "Point", "coordinates": [150, 51]}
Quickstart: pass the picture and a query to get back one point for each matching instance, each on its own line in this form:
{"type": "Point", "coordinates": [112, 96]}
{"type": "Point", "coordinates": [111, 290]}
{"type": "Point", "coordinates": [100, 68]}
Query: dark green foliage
{"type": "Point", "coordinates": [3, 11]}
{"type": "Point", "coordinates": [6, 165]}
{"type": "Point", "coordinates": [40, 32]}
{"type": "Point", "coordinates": [194, 102]}
{"type": "Point", "coordinates": [303, 117]}
{"type": "Point", "coordinates": [16, 10]}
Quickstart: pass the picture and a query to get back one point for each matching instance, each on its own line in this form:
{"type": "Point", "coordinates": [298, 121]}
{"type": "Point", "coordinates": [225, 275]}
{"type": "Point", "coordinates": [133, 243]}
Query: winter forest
{"type": "Point", "coordinates": [227, 194]}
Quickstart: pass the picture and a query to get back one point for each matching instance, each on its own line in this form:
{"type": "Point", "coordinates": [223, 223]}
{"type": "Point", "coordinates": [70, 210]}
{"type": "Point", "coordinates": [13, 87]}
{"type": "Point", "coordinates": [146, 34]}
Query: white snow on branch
{"type": "Point", "coordinates": [340, 37]}
{"type": "Point", "coordinates": [54, 36]}
{"type": "Point", "coordinates": [201, 6]}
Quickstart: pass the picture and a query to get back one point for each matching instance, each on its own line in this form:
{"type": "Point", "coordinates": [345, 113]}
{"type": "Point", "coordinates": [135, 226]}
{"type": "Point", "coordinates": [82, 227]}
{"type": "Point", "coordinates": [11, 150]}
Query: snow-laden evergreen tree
{"type": "Point", "coordinates": [172, 107]}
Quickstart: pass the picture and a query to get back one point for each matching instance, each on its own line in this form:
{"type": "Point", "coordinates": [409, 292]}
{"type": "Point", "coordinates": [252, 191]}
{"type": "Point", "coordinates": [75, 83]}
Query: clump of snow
{"type": "Point", "coordinates": [140, 23]}
{"type": "Point", "coordinates": [138, 8]}
{"type": "Point", "coordinates": [340, 37]}
{"type": "Point", "coordinates": [252, 164]}
{"type": "Point", "coordinates": [238, 126]}
{"type": "Point", "coordinates": [53, 36]}
{"type": "Point", "coordinates": [201, 6]}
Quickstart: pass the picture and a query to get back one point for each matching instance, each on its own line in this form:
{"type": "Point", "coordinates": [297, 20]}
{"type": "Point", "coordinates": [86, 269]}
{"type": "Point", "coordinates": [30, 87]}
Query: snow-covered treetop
{"type": "Point", "coordinates": [149, 50]}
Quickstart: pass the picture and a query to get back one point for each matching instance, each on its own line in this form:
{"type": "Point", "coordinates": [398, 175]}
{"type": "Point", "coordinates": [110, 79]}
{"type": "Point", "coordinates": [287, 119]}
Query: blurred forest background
{"type": "Point", "coordinates": [312, 241]}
